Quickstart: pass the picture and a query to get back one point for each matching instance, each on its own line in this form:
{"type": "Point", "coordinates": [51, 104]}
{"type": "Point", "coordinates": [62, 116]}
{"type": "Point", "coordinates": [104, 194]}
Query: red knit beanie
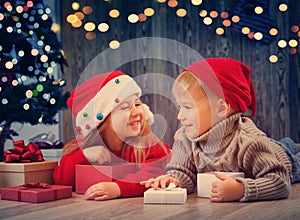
{"type": "Point", "coordinates": [92, 101]}
{"type": "Point", "coordinates": [227, 78]}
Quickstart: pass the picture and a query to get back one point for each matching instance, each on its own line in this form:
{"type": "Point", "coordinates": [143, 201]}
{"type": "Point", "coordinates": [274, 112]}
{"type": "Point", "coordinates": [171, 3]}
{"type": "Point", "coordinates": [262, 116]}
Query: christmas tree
{"type": "Point", "coordinates": [29, 52]}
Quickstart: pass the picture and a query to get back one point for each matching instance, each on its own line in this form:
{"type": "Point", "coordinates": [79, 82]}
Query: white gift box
{"type": "Point", "coordinates": [167, 196]}
{"type": "Point", "coordinates": [13, 174]}
{"type": "Point", "coordinates": [204, 181]}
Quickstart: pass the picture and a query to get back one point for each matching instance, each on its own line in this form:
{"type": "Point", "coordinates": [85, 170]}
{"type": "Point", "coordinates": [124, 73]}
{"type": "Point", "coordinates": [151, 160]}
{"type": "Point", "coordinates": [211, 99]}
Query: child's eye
{"type": "Point", "coordinates": [138, 104]}
{"type": "Point", "coordinates": [187, 107]}
{"type": "Point", "coordinates": [124, 107]}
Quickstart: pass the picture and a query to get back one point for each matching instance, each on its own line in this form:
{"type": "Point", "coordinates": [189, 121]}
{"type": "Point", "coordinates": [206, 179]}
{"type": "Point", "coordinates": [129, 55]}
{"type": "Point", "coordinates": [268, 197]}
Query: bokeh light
{"type": "Point", "coordinates": [245, 30]}
{"type": "Point", "coordinates": [114, 44]}
{"type": "Point", "coordinates": [273, 58]}
{"type": "Point", "coordinates": [258, 36]}
{"type": "Point", "coordinates": [79, 15]}
{"type": "Point", "coordinates": [295, 28]}
{"type": "Point", "coordinates": [172, 3]}
{"type": "Point", "coordinates": [203, 13]}
{"type": "Point", "coordinates": [273, 31]}
{"type": "Point", "coordinates": [71, 18]}
{"type": "Point", "coordinates": [293, 51]}
{"type": "Point", "coordinates": [293, 43]}
{"type": "Point", "coordinates": [55, 27]}
{"type": "Point", "coordinates": [75, 6]}
{"type": "Point", "coordinates": [103, 27]}
{"type": "Point", "coordinates": [235, 19]}
{"type": "Point", "coordinates": [89, 26]}
{"type": "Point", "coordinates": [133, 18]}
{"type": "Point", "coordinates": [207, 21]}
{"type": "Point", "coordinates": [213, 14]}
{"type": "Point", "coordinates": [90, 35]}
{"type": "Point", "coordinates": [87, 10]}
{"type": "Point", "coordinates": [181, 12]}
{"type": "Point", "coordinates": [149, 12]}
{"type": "Point", "coordinates": [283, 7]}
{"type": "Point", "coordinates": [226, 23]}
{"type": "Point", "coordinates": [282, 43]}
{"type": "Point", "coordinates": [220, 31]}
{"type": "Point", "coordinates": [224, 14]}
{"type": "Point", "coordinates": [258, 10]}
{"type": "Point", "coordinates": [77, 24]}
{"type": "Point", "coordinates": [196, 2]}
{"type": "Point", "coordinates": [142, 17]}
{"type": "Point", "coordinates": [114, 13]}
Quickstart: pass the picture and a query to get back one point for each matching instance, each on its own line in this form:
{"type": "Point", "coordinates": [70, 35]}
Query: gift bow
{"type": "Point", "coordinates": [22, 153]}
{"type": "Point", "coordinates": [37, 185]}
{"type": "Point", "coordinates": [165, 192]}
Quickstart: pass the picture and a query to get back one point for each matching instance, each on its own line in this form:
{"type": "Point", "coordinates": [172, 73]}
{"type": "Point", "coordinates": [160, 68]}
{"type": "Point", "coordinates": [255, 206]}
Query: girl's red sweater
{"type": "Point", "coordinates": [153, 165]}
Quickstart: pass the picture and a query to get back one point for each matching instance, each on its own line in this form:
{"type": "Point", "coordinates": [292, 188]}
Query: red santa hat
{"type": "Point", "coordinates": [92, 101]}
{"type": "Point", "coordinates": [229, 79]}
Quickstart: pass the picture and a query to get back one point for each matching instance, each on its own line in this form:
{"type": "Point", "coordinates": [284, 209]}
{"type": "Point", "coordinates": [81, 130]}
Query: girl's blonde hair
{"type": "Point", "coordinates": [140, 143]}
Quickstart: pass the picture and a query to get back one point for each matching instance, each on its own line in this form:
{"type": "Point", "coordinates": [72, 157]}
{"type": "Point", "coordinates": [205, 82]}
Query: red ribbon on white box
{"type": "Point", "coordinates": [22, 153]}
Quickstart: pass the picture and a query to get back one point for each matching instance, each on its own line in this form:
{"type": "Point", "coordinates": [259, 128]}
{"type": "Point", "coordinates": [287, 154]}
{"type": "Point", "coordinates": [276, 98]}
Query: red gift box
{"type": "Point", "coordinates": [24, 193]}
{"type": "Point", "coordinates": [88, 175]}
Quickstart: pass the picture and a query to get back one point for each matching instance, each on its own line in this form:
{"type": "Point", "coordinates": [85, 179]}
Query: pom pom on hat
{"type": "Point", "coordinates": [92, 101]}
{"type": "Point", "coordinates": [229, 79]}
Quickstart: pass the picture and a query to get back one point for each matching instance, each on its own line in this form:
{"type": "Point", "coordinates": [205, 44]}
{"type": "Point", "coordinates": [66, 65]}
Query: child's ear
{"type": "Point", "coordinates": [223, 108]}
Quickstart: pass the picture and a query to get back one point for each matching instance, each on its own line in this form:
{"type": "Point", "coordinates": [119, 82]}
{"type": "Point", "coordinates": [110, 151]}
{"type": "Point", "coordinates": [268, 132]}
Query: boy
{"type": "Point", "coordinates": [212, 96]}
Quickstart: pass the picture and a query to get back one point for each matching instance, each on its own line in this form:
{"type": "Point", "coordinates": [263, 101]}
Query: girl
{"type": "Point", "coordinates": [108, 112]}
{"type": "Point", "coordinates": [213, 96]}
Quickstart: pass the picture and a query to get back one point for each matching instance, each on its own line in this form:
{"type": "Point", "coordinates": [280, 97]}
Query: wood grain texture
{"type": "Point", "coordinates": [277, 85]}
{"type": "Point", "coordinates": [134, 208]}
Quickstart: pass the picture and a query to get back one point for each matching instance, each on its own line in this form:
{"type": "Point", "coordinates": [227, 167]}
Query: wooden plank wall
{"type": "Point", "coordinates": [277, 85]}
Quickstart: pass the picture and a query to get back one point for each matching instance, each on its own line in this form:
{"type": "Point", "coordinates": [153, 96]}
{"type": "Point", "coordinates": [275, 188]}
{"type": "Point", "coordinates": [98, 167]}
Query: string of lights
{"type": "Point", "coordinates": [251, 20]}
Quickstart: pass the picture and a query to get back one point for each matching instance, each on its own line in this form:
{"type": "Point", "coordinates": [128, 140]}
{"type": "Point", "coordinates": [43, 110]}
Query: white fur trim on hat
{"type": "Point", "coordinates": [148, 114]}
{"type": "Point", "coordinates": [101, 105]}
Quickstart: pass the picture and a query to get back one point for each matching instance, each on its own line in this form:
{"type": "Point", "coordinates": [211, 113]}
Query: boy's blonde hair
{"type": "Point", "coordinates": [188, 81]}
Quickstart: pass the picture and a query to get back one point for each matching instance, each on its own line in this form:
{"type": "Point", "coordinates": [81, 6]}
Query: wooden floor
{"type": "Point", "coordinates": [134, 208]}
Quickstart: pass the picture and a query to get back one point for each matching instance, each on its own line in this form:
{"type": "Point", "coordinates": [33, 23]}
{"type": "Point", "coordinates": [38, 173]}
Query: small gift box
{"type": "Point", "coordinates": [204, 181]}
{"type": "Point", "coordinates": [88, 175]}
{"type": "Point", "coordinates": [12, 174]}
{"type": "Point", "coordinates": [167, 196]}
{"type": "Point", "coordinates": [36, 192]}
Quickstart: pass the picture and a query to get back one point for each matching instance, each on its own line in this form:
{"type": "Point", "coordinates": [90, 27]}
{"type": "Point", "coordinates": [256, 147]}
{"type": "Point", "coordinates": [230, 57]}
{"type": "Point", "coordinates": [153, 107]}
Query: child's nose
{"type": "Point", "coordinates": [134, 110]}
{"type": "Point", "coordinates": [180, 116]}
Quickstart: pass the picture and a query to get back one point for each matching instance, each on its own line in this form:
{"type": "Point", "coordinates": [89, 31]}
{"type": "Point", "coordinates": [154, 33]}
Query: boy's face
{"type": "Point", "coordinates": [195, 111]}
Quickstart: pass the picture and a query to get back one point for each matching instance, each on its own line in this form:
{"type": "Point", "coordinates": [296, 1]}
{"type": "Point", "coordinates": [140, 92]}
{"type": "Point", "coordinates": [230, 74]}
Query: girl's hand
{"type": "Point", "coordinates": [227, 190]}
{"type": "Point", "coordinates": [103, 191]}
{"type": "Point", "coordinates": [160, 182]}
{"type": "Point", "coordinates": [97, 154]}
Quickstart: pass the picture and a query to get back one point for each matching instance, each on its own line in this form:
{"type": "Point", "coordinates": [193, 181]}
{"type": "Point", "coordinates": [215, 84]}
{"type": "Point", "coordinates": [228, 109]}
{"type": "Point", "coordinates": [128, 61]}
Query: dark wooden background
{"type": "Point", "coordinates": [277, 85]}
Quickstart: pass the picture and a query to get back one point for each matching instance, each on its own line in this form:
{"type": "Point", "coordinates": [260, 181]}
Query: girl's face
{"type": "Point", "coordinates": [195, 111]}
{"type": "Point", "coordinates": [126, 118]}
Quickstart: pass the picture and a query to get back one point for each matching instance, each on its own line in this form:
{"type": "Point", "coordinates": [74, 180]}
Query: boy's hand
{"type": "Point", "coordinates": [160, 182]}
{"type": "Point", "coordinates": [227, 190]}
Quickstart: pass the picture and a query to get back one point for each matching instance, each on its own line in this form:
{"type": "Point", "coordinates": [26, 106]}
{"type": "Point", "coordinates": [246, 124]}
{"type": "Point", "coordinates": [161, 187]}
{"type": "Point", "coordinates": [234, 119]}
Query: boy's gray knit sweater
{"type": "Point", "coordinates": [234, 144]}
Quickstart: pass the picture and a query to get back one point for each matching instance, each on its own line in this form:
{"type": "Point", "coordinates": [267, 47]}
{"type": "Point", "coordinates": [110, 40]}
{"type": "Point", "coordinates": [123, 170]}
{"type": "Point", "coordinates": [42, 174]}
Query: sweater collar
{"type": "Point", "coordinates": [217, 133]}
